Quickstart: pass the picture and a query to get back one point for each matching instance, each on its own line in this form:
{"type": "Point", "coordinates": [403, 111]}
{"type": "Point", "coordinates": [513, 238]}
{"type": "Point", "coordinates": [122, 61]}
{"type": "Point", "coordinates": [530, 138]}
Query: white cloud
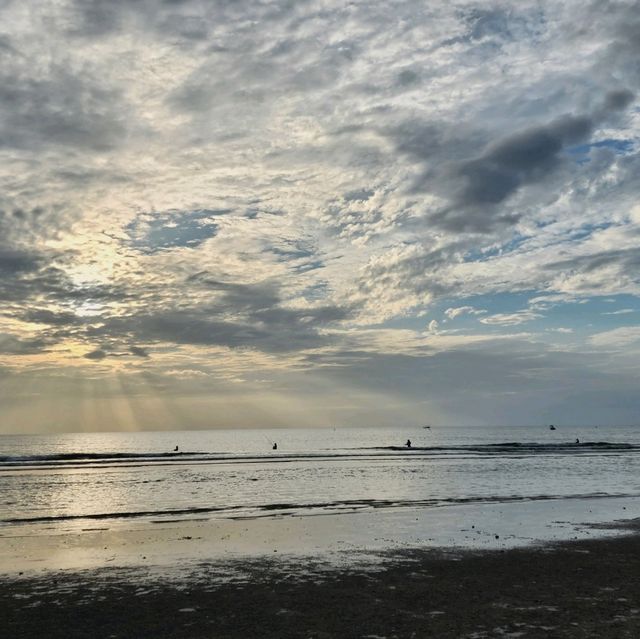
{"type": "Point", "coordinates": [452, 313]}
{"type": "Point", "coordinates": [618, 338]}
{"type": "Point", "coordinates": [622, 311]}
{"type": "Point", "coordinates": [233, 188]}
{"type": "Point", "coordinates": [510, 319]}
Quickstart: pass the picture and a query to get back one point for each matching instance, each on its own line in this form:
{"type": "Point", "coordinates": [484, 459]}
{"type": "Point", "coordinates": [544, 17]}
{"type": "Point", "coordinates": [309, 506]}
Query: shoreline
{"type": "Point", "coordinates": [176, 544]}
{"type": "Point", "coordinates": [583, 588]}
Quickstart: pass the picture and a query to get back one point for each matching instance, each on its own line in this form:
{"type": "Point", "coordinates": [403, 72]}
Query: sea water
{"type": "Point", "coordinates": [65, 481]}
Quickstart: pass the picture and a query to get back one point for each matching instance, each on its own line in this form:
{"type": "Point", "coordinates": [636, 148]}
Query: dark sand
{"type": "Point", "coordinates": [577, 589]}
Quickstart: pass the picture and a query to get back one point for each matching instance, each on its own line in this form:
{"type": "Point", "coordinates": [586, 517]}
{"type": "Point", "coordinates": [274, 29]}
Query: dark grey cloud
{"type": "Point", "coordinates": [191, 327]}
{"type": "Point", "coordinates": [515, 381]}
{"type": "Point", "coordinates": [100, 18]}
{"type": "Point", "coordinates": [408, 77]}
{"type": "Point", "coordinates": [184, 21]}
{"type": "Point", "coordinates": [237, 296]}
{"type": "Point", "coordinates": [263, 68]}
{"type": "Point", "coordinates": [24, 226]}
{"type": "Point", "coordinates": [15, 261]}
{"type": "Point", "coordinates": [359, 195]}
{"type": "Point", "coordinates": [429, 140]}
{"type": "Point", "coordinates": [471, 369]}
{"type": "Point", "coordinates": [233, 315]}
{"type": "Point", "coordinates": [12, 345]}
{"type": "Point", "coordinates": [523, 157]}
{"type": "Point", "coordinates": [478, 179]}
{"type": "Point", "coordinates": [625, 261]}
{"type": "Point", "coordinates": [57, 105]}
{"type": "Point", "coordinates": [263, 302]}
{"type": "Point", "coordinates": [618, 99]}
{"type": "Point", "coordinates": [138, 351]}
{"type": "Point", "coordinates": [620, 22]}
{"type": "Point", "coordinates": [114, 350]}
{"type": "Point", "coordinates": [52, 318]}
{"type": "Point", "coordinates": [6, 45]}
{"type": "Point", "coordinates": [27, 275]}
{"type": "Point", "coordinates": [97, 355]}
{"type": "Point", "coordinates": [35, 288]}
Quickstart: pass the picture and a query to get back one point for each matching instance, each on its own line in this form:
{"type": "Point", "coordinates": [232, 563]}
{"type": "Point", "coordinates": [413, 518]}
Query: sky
{"type": "Point", "coordinates": [318, 213]}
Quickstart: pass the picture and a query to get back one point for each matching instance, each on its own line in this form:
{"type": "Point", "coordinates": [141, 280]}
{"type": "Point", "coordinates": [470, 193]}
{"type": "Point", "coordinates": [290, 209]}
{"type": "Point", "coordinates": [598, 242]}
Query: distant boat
{"type": "Point", "coordinates": [426, 427]}
{"type": "Point", "coordinates": [552, 427]}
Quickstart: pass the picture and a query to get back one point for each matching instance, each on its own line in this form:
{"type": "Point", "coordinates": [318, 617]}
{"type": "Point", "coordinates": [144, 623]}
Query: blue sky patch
{"type": "Point", "coordinates": [172, 229]}
{"type": "Point", "coordinates": [580, 153]}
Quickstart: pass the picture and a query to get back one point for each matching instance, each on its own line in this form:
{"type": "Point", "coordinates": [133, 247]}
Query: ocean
{"type": "Point", "coordinates": [67, 481]}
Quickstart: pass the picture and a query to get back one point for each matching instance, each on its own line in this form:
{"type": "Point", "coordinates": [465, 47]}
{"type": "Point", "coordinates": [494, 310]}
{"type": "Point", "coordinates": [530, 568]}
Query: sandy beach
{"type": "Point", "coordinates": [319, 319]}
{"type": "Point", "coordinates": [584, 588]}
{"type": "Point", "coordinates": [507, 540]}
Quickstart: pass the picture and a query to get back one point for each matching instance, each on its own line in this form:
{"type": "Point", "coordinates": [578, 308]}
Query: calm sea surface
{"type": "Point", "coordinates": [69, 480]}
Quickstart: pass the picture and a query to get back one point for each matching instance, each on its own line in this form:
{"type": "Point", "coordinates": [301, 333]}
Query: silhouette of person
{"type": "Point", "coordinates": [275, 446]}
{"type": "Point", "coordinates": [408, 443]}
{"type": "Point", "coordinates": [175, 450]}
{"type": "Point", "coordinates": [577, 441]}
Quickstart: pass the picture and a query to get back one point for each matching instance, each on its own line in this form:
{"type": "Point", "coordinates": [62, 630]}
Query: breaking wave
{"type": "Point", "coordinates": [75, 459]}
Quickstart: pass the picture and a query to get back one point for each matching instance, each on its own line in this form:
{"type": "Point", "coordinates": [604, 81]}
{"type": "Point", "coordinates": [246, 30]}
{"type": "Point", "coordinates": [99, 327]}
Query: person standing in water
{"type": "Point", "coordinates": [275, 446]}
{"type": "Point", "coordinates": [408, 443]}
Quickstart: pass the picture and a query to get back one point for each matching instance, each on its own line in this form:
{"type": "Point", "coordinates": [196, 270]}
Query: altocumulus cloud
{"type": "Point", "coordinates": [265, 200]}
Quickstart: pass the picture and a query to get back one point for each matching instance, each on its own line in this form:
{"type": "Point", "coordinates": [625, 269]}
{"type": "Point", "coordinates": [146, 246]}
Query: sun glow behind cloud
{"type": "Point", "coordinates": [245, 214]}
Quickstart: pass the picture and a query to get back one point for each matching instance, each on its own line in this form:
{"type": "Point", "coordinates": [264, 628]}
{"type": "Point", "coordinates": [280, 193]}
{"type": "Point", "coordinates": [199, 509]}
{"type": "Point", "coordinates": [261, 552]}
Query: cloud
{"type": "Point", "coordinates": [265, 191]}
{"type": "Point", "coordinates": [619, 258]}
{"type": "Point", "coordinates": [230, 315]}
{"type": "Point", "coordinates": [499, 376]}
{"type": "Point", "coordinates": [51, 318]}
{"type": "Point", "coordinates": [599, 271]}
{"type": "Point", "coordinates": [15, 261]}
{"type": "Point", "coordinates": [452, 313]}
{"type": "Point", "coordinates": [622, 311]}
{"type": "Point", "coordinates": [12, 345]}
{"type": "Point", "coordinates": [98, 354]}
{"type": "Point", "coordinates": [618, 99]}
{"type": "Point", "coordinates": [510, 319]}
{"type": "Point", "coordinates": [618, 338]}
{"type": "Point", "coordinates": [272, 330]}
{"type": "Point", "coordinates": [475, 187]}
{"type": "Point", "coordinates": [183, 21]}
{"type": "Point", "coordinates": [525, 156]}
{"type": "Point", "coordinates": [54, 104]}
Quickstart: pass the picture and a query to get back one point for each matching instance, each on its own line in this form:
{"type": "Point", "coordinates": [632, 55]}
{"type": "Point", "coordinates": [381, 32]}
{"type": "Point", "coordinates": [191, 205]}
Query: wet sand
{"type": "Point", "coordinates": [585, 588]}
{"type": "Point", "coordinates": [174, 545]}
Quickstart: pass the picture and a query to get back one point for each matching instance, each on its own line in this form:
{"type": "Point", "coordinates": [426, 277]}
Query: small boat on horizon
{"type": "Point", "coordinates": [552, 427]}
